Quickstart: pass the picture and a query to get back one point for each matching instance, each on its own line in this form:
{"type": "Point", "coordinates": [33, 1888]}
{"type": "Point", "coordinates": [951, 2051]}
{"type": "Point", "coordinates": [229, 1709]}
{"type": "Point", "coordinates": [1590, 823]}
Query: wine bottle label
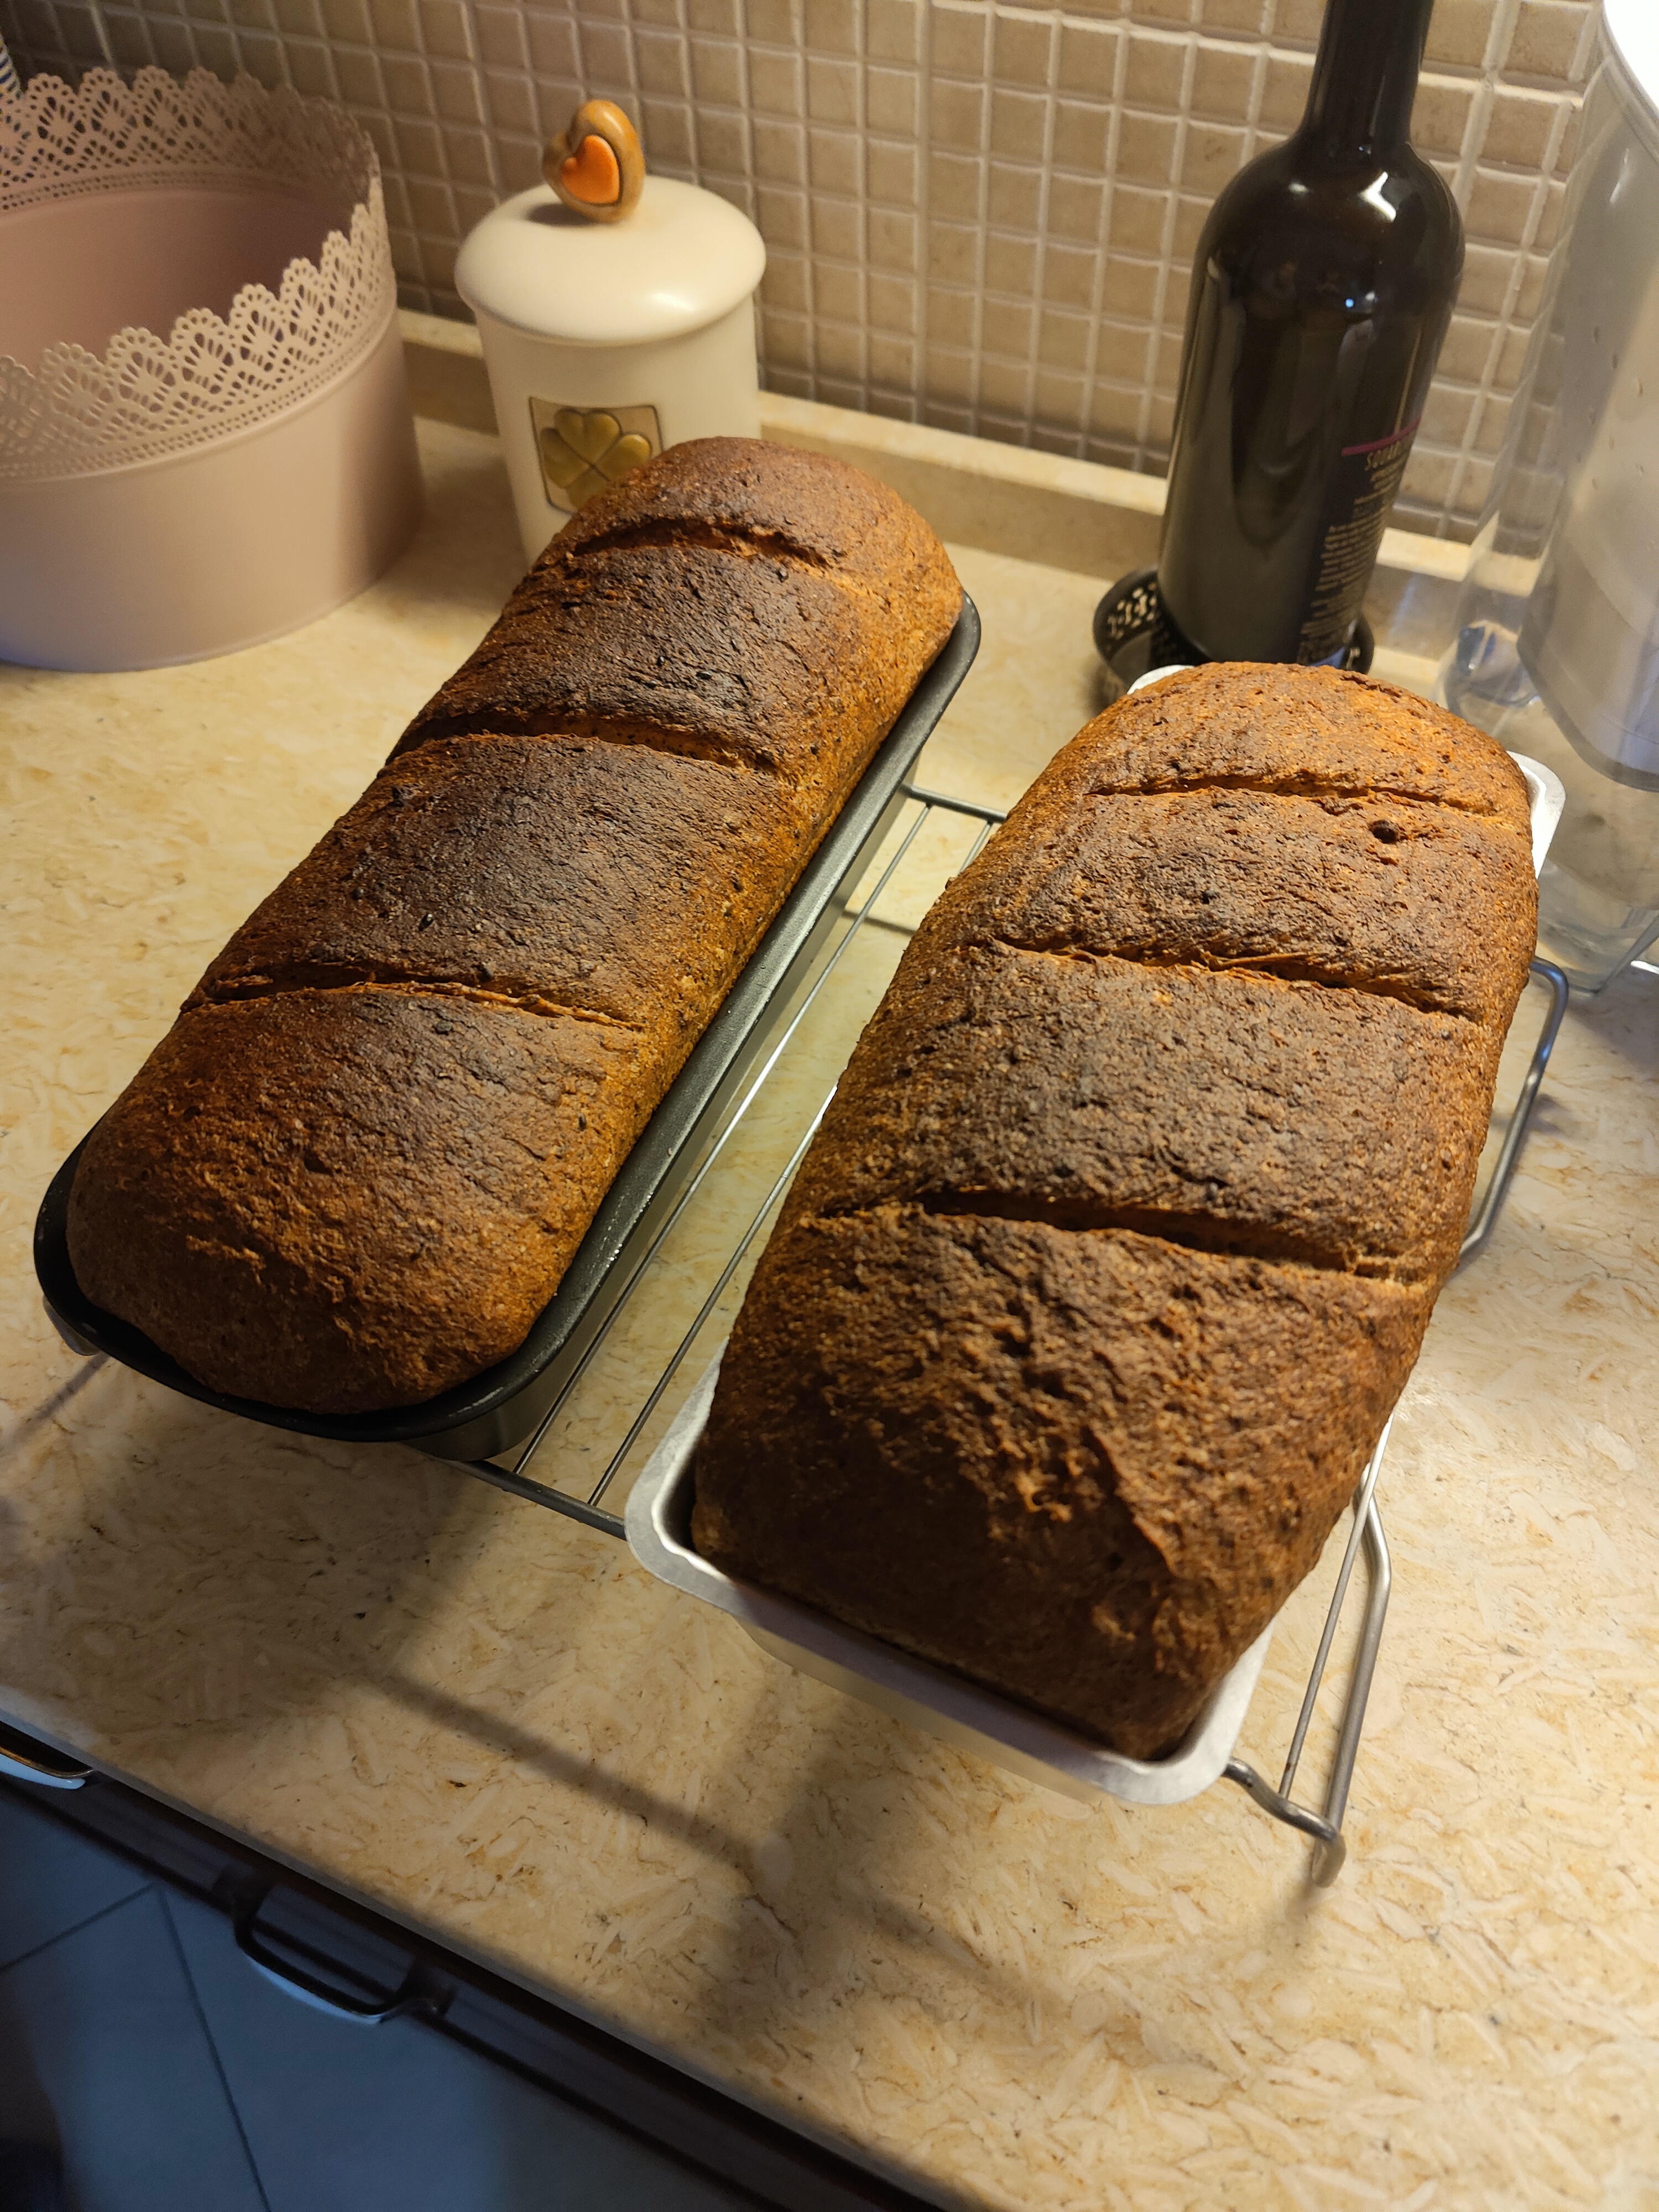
{"type": "Point", "coordinates": [1362, 489]}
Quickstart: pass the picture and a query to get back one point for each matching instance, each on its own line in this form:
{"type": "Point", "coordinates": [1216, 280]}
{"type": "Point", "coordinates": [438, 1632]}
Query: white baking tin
{"type": "Point", "coordinates": [944, 1704]}
{"type": "Point", "coordinates": [1547, 795]}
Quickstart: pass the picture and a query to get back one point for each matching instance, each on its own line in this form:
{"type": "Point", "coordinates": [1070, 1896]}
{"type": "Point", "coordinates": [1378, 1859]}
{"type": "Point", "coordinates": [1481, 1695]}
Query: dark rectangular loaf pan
{"type": "Point", "coordinates": [500, 1407]}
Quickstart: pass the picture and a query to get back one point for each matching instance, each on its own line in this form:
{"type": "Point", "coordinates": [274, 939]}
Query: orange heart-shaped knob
{"type": "Point", "coordinates": [596, 166]}
{"type": "Point", "coordinates": [592, 174]}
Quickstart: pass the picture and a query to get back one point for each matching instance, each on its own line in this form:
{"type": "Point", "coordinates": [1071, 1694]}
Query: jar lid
{"type": "Point", "coordinates": [681, 259]}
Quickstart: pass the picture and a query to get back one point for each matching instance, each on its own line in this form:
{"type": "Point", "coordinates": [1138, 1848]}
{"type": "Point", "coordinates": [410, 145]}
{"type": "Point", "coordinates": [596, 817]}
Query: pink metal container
{"type": "Point", "coordinates": [205, 438]}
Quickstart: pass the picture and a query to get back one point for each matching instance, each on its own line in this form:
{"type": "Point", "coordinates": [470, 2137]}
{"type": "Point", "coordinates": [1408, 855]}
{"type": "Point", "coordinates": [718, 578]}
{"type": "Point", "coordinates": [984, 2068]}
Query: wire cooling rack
{"type": "Point", "coordinates": [685, 1283]}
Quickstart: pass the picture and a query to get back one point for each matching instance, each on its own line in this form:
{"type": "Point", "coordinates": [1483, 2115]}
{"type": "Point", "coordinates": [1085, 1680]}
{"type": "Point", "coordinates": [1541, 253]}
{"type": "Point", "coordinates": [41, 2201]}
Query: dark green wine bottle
{"type": "Point", "coordinates": [1323, 284]}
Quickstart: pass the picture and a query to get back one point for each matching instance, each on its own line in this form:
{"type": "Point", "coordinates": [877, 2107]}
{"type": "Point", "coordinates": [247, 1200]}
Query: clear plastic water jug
{"type": "Point", "coordinates": [1556, 646]}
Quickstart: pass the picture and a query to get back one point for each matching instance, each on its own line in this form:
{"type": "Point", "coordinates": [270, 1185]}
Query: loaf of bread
{"type": "Point", "coordinates": [359, 1164]}
{"type": "Point", "coordinates": [1120, 1237]}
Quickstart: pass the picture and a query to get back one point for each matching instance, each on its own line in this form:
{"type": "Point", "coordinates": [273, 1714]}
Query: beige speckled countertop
{"type": "Point", "coordinates": [485, 1721]}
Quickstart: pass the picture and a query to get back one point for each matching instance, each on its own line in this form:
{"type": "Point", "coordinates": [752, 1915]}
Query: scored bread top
{"type": "Point", "coordinates": [1120, 1233]}
{"type": "Point", "coordinates": [756, 498]}
{"type": "Point", "coordinates": [342, 1199]}
{"type": "Point", "coordinates": [1267, 726]}
{"type": "Point", "coordinates": [1297, 822]}
{"type": "Point", "coordinates": [558, 873]}
{"type": "Point", "coordinates": [1380, 895]}
{"type": "Point", "coordinates": [741, 602]}
{"type": "Point", "coordinates": [1265, 1020]}
{"type": "Point", "coordinates": [988, 1083]}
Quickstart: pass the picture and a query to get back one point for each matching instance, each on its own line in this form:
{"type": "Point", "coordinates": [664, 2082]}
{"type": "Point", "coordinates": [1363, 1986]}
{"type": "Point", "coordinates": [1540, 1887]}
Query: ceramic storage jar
{"type": "Point", "coordinates": [609, 331]}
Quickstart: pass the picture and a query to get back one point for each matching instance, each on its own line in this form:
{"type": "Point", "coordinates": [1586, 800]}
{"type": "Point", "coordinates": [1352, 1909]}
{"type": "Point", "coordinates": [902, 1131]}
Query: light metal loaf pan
{"type": "Point", "coordinates": [944, 1704]}
{"type": "Point", "coordinates": [497, 1409]}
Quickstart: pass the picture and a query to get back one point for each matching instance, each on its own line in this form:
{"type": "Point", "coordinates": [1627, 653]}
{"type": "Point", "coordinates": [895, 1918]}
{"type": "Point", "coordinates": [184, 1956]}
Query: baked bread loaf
{"type": "Point", "coordinates": [1120, 1237]}
{"type": "Point", "coordinates": [358, 1166]}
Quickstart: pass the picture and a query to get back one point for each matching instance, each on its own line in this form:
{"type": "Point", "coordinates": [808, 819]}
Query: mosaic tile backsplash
{"type": "Point", "coordinates": [977, 217]}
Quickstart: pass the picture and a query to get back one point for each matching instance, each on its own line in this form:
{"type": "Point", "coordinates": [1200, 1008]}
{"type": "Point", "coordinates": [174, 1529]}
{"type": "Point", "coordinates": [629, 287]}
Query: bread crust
{"type": "Point", "coordinates": [358, 1167]}
{"type": "Point", "coordinates": [741, 602]}
{"type": "Point", "coordinates": [1087, 1469]}
{"type": "Point", "coordinates": [556, 872]}
{"type": "Point", "coordinates": [1230, 1110]}
{"type": "Point", "coordinates": [1119, 1239]}
{"type": "Point", "coordinates": [252, 1203]}
{"type": "Point", "coordinates": [1357, 890]}
{"type": "Point", "coordinates": [1261, 725]}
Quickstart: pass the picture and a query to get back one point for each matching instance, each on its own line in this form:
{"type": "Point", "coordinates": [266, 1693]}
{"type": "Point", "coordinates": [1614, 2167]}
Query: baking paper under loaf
{"type": "Point", "coordinates": [358, 1165]}
{"type": "Point", "coordinates": [1120, 1235]}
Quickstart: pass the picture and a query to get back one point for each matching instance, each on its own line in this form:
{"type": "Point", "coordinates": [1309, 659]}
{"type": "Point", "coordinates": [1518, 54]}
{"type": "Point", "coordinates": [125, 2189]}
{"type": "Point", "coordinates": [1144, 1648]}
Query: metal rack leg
{"type": "Point", "coordinates": [1326, 1828]}
{"type": "Point", "coordinates": [1485, 1214]}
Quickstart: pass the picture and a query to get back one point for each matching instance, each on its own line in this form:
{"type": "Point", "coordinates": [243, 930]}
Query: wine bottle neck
{"type": "Point", "coordinates": [1364, 78]}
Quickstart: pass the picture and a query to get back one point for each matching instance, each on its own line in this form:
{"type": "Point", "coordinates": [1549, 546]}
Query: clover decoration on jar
{"type": "Point", "coordinates": [616, 311]}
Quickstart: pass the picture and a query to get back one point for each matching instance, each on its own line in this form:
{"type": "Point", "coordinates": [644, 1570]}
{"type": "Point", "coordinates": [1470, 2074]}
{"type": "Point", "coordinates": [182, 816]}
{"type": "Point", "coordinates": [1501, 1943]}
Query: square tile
{"type": "Point", "coordinates": [1551, 40]}
{"type": "Point", "coordinates": [891, 303]}
{"type": "Point", "coordinates": [956, 114]}
{"type": "Point", "coordinates": [1224, 79]}
{"type": "Point", "coordinates": [1006, 385]}
{"type": "Point", "coordinates": [837, 293]}
{"type": "Point", "coordinates": [1500, 207]}
{"type": "Point", "coordinates": [717, 71]}
{"type": "Point", "coordinates": [1080, 136]}
{"type": "Point", "coordinates": [1441, 115]}
{"type": "Point", "coordinates": [832, 91]}
{"type": "Point", "coordinates": [51, 1879]}
{"type": "Point", "coordinates": [1065, 340]}
{"type": "Point", "coordinates": [891, 239]}
{"type": "Point", "coordinates": [1076, 208]}
{"type": "Point", "coordinates": [890, 100]}
{"type": "Point", "coordinates": [834, 162]}
{"type": "Point", "coordinates": [1030, 129]}
{"type": "Point", "coordinates": [1458, 31]}
{"type": "Point", "coordinates": [1015, 198]}
{"type": "Point", "coordinates": [952, 317]}
{"type": "Point", "coordinates": [100, 2029]}
{"type": "Point", "coordinates": [1156, 72]}
{"type": "Point", "coordinates": [892, 30]}
{"type": "Point", "coordinates": [959, 36]}
{"type": "Point", "coordinates": [1210, 155]}
{"type": "Point", "coordinates": [1147, 148]}
{"type": "Point", "coordinates": [1021, 49]}
{"type": "Point", "coordinates": [1520, 127]}
{"type": "Point", "coordinates": [1018, 125]}
{"type": "Point", "coordinates": [831, 27]}
{"type": "Point", "coordinates": [1089, 58]}
{"type": "Point", "coordinates": [890, 363]}
{"type": "Point", "coordinates": [661, 63]}
{"type": "Point", "coordinates": [780, 152]}
{"type": "Point", "coordinates": [1284, 90]}
{"type": "Point", "coordinates": [891, 174]}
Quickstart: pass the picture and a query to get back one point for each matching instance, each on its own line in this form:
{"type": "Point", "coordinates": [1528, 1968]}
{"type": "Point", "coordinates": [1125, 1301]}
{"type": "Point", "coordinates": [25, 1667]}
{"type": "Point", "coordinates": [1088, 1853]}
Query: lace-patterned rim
{"type": "Point", "coordinates": [147, 396]}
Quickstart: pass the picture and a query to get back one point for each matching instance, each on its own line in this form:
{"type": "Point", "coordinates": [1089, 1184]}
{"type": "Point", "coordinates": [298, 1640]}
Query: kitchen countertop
{"type": "Point", "coordinates": [485, 1721]}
